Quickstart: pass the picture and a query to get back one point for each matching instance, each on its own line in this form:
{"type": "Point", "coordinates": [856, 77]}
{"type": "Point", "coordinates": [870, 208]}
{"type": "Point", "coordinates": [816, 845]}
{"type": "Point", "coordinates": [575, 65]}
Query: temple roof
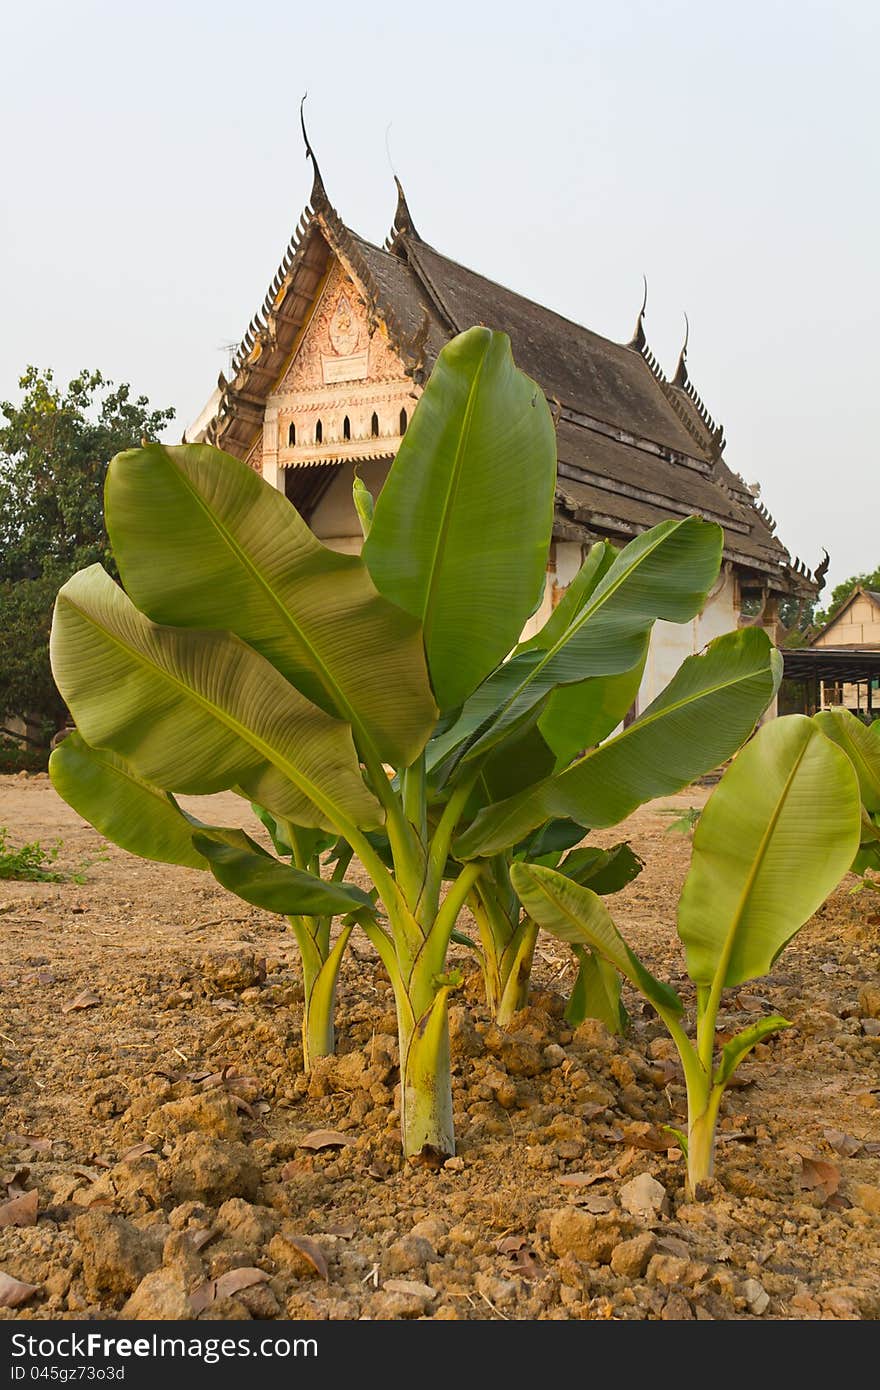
{"type": "Point", "coordinates": [634, 447]}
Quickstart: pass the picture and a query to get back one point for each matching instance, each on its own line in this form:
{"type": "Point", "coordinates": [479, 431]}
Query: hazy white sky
{"type": "Point", "coordinates": [153, 172]}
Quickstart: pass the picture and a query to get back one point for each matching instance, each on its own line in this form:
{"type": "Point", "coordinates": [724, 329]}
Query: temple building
{"type": "Point", "coordinates": [331, 367]}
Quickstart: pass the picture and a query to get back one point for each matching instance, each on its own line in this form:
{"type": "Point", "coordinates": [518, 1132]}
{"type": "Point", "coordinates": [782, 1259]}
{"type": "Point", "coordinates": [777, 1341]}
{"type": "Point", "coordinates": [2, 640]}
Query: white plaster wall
{"type": "Point", "coordinates": [334, 520]}
{"type": "Point", "coordinates": [672, 643]}
{"type": "Point", "coordinates": [569, 558]}
{"type": "Point", "coordinates": [538, 619]}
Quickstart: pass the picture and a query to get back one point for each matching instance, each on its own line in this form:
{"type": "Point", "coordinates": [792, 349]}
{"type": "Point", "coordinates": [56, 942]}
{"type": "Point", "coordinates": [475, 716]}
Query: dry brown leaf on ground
{"type": "Point", "coordinates": [311, 1251]}
{"type": "Point", "coordinates": [137, 1151]}
{"type": "Point", "coordinates": [845, 1144]}
{"type": "Point", "coordinates": [325, 1139]}
{"type": "Point", "coordinates": [817, 1175]}
{"type": "Point", "coordinates": [521, 1257]}
{"type": "Point", "coordinates": [86, 999]}
{"type": "Point", "coordinates": [586, 1179]}
{"type": "Point", "coordinates": [14, 1181]}
{"type": "Point", "coordinates": [20, 1211]}
{"type": "Point", "coordinates": [27, 1141]}
{"type": "Point", "coordinates": [642, 1135]}
{"type": "Point", "coordinates": [13, 1292]}
{"type": "Point", "coordinates": [232, 1282]}
{"type": "Point", "coordinates": [752, 1003]}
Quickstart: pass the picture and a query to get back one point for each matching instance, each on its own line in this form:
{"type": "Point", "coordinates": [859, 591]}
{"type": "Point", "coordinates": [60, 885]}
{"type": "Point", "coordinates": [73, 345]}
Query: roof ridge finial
{"type": "Point", "coordinates": [821, 570]}
{"type": "Point", "coordinates": [403, 221]}
{"type": "Point", "coordinates": [638, 339]}
{"type": "Point", "coordinates": [318, 197]}
{"type": "Point", "coordinates": [681, 372]}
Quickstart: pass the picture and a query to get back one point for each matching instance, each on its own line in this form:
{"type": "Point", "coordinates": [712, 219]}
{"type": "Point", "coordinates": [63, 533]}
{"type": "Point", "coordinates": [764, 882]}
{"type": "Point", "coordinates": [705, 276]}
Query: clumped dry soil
{"type": "Point", "coordinates": [165, 1124]}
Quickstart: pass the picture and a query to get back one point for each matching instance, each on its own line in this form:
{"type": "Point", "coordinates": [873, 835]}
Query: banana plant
{"type": "Point", "coordinates": [776, 836]}
{"type": "Point", "coordinates": [508, 936]}
{"type": "Point", "coordinates": [380, 699]}
{"type": "Point", "coordinates": [148, 822]}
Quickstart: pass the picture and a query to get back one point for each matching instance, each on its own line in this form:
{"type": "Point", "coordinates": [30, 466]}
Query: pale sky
{"type": "Point", "coordinates": [153, 172]}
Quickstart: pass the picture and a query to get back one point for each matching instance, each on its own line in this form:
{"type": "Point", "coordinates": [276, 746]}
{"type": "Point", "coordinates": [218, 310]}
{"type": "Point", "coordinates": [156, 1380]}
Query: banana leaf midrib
{"type": "Point", "coordinates": [643, 722]}
{"type": "Point", "coordinates": [449, 501]}
{"type": "Point", "coordinates": [761, 854]}
{"type": "Point", "coordinates": [592, 606]}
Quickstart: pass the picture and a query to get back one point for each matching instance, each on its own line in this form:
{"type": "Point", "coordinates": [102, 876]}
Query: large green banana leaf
{"type": "Point", "coordinates": [596, 992]}
{"type": "Point", "coordinates": [602, 870]}
{"type": "Point", "coordinates": [582, 714]}
{"type": "Point", "coordinates": [125, 808]}
{"type": "Point", "coordinates": [861, 745]}
{"type": "Point", "coordinates": [202, 541]}
{"type": "Point", "coordinates": [579, 916]}
{"type": "Point", "coordinates": [699, 720]}
{"type": "Point", "coordinates": [461, 528]}
{"type": "Point", "coordinates": [600, 629]}
{"type": "Point", "coordinates": [774, 839]}
{"type": "Point", "coordinates": [252, 874]}
{"type": "Point", "coordinates": [198, 712]}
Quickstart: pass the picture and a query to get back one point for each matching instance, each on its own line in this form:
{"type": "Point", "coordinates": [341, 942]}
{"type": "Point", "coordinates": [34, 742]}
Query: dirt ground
{"type": "Point", "coordinates": [161, 1120]}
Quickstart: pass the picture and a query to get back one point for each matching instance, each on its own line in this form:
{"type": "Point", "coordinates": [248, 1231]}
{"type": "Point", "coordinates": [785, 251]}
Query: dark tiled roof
{"type": "Point", "coordinates": [634, 448]}
{"type": "Point", "coordinates": [574, 365]}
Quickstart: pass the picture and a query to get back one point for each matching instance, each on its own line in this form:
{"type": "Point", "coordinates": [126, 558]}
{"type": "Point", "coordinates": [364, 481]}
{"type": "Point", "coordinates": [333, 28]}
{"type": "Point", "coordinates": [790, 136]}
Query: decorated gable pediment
{"type": "Point", "coordinates": [344, 394]}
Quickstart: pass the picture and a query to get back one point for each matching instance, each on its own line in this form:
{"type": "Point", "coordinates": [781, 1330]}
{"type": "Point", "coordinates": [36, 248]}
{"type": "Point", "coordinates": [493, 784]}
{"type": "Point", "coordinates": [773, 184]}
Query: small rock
{"type": "Point", "coordinates": [676, 1309]}
{"type": "Point", "coordinates": [179, 1253]}
{"type": "Point", "coordinates": [865, 1195]}
{"type": "Point", "coordinates": [644, 1197]}
{"type": "Point", "coordinates": [668, 1269]}
{"type": "Point", "coordinates": [259, 1301]}
{"type": "Point", "coordinates": [593, 1033]}
{"type": "Point", "coordinates": [245, 1223]}
{"type": "Point", "coordinates": [554, 1055]}
{"type": "Point", "coordinates": [161, 1296]}
{"type": "Point", "coordinates": [115, 1254]}
{"type": "Point", "coordinates": [387, 1305]}
{"type": "Point", "coordinates": [464, 1040]}
{"type": "Point", "coordinates": [227, 1310]}
{"type": "Point", "coordinates": [454, 1165]}
{"type": "Point", "coordinates": [432, 1228]}
{"type": "Point", "coordinates": [287, 1254]}
{"type": "Point", "coordinates": [586, 1237]}
{"type": "Point", "coordinates": [869, 1001]}
{"type": "Point", "coordinates": [229, 972]}
{"type": "Point", "coordinates": [208, 1112]}
{"type": "Point", "coordinates": [756, 1296]}
{"type": "Point", "coordinates": [414, 1287]}
{"type": "Point", "coordinates": [499, 1292]}
{"type": "Point", "coordinates": [202, 1168]}
{"type": "Point", "coordinates": [631, 1257]}
{"type": "Point", "coordinates": [843, 1303]}
{"type": "Point", "coordinates": [410, 1252]}
{"type": "Point", "coordinates": [347, 1073]}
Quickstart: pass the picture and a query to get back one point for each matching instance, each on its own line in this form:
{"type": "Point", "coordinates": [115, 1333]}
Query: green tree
{"type": "Point", "coordinates": [55, 446]}
{"type": "Point", "coordinates": [841, 592]}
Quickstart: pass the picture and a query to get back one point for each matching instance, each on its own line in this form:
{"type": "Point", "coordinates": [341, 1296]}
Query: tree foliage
{"type": "Point", "coordinates": [55, 445]}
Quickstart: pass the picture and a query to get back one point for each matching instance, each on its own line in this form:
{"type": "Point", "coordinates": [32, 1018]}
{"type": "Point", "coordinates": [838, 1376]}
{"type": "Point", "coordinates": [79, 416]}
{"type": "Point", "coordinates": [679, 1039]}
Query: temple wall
{"type": "Point", "coordinates": [334, 520]}
{"type": "Point", "coordinates": [672, 643]}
